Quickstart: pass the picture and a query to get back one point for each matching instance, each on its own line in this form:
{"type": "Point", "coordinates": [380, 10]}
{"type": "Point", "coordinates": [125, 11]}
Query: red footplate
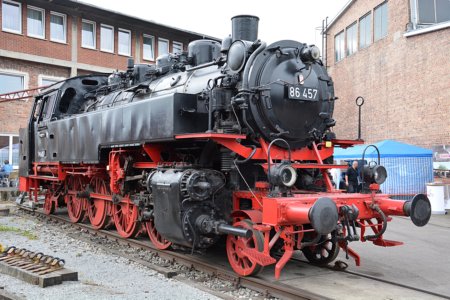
{"type": "Point", "coordinates": [259, 257]}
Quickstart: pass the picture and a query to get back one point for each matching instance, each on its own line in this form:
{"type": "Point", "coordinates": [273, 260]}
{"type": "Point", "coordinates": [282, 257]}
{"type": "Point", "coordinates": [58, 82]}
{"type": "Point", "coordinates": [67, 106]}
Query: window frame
{"type": "Point", "coordinates": [113, 39]}
{"type": "Point", "coordinates": [178, 43]}
{"type": "Point", "coordinates": [25, 76]}
{"type": "Point", "coordinates": [42, 77]}
{"type": "Point", "coordinates": [418, 22]}
{"type": "Point", "coordinates": [64, 16]}
{"type": "Point", "coordinates": [153, 47]}
{"type": "Point", "coordinates": [43, 22]}
{"type": "Point", "coordinates": [341, 35]}
{"type": "Point", "coordinates": [94, 31]}
{"type": "Point", "coordinates": [355, 25]}
{"type": "Point", "coordinates": [118, 41]}
{"type": "Point", "coordinates": [379, 6]}
{"type": "Point", "coordinates": [370, 33]}
{"type": "Point", "coordinates": [20, 20]}
{"type": "Point", "coordinates": [415, 16]}
{"type": "Point", "coordinates": [168, 45]}
{"type": "Point", "coordinates": [11, 136]}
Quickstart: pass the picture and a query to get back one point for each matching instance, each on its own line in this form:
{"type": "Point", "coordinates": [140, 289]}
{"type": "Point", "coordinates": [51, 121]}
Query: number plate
{"type": "Point", "coordinates": [304, 93]}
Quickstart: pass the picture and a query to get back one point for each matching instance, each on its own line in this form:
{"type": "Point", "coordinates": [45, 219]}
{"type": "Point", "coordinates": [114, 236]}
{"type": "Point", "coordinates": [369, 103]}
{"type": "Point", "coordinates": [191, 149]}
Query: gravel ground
{"type": "Point", "coordinates": [103, 275]}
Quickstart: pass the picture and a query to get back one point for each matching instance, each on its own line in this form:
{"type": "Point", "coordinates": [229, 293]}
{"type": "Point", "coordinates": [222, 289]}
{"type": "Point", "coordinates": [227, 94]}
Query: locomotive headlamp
{"type": "Point", "coordinates": [309, 54]}
{"type": "Point", "coordinates": [315, 52]}
{"type": "Point", "coordinates": [283, 174]}
{"type": "Point", "coordinates": [237, 54]}
{"type": "Point", "coordinates": [374, 174]}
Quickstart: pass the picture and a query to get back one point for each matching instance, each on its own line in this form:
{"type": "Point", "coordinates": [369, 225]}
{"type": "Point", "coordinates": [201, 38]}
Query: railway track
{"type": "Point", "coordinates": [278, 290]}
{"type": "Point", "coordinates": [275, 289]}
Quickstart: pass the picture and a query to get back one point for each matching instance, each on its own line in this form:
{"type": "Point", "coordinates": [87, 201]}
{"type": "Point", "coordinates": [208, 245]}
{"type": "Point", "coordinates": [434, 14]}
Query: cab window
{"type": "Point", "coordinates": [44, 107]}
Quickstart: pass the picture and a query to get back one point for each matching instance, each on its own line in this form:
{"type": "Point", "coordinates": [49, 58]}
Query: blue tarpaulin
{"type": "Point", "coordinates": [388, 148]}
{"type": "Point", "coordinates": [409, 167]}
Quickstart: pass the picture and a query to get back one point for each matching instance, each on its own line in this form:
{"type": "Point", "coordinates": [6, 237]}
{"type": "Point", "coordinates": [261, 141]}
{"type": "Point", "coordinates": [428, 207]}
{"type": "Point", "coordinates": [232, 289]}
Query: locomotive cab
{"type": "Point", "coordinates": [58, 101]}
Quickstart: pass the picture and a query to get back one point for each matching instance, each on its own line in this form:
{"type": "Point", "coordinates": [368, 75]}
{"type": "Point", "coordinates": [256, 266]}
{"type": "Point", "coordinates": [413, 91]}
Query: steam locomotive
{"type": "Point", "coordinates": [230, 138]}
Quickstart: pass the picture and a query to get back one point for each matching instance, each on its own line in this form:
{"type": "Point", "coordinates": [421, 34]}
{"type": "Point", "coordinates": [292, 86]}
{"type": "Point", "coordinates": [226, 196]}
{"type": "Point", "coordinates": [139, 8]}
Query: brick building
{"type": "Point", "coordinates": [42, 42]}
{"type": "Point", "coordinates": [395, 54]}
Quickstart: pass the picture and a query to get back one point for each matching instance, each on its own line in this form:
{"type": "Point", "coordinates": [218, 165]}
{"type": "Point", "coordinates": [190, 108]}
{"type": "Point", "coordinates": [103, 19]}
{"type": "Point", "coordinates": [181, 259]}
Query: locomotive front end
{"type": "Point", "coordinates": [287, 99]}
{"type": "Point", "coordinates": [285, 86]}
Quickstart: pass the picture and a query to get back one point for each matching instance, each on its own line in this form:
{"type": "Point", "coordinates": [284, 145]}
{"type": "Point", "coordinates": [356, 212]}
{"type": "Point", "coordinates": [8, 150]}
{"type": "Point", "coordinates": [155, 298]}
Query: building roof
{"type": "Point", "coordinates": [80, 6]}
{"type": "Point", "coordinates": [388, 148]}
{"type": "Point", "coordinates": [340, 13]}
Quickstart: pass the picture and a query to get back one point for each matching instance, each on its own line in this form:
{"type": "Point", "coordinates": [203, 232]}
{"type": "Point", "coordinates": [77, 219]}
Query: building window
{"type": "Point", "coordinates": [163, 46]}
{"type": "Point", "coordinates": [351, 39]}
{"type": "Point", "coordinates": [380, 17]}
{"type": "Point", "coordinates": [124, 42]}
{"type": "Point", "coordinates": [177, 47]}
{"type": "Point", "coordinates": [36, 22]}
{"type": "Point", "coordinates": [11, 83]}
{"type": "Point", "coordinates": [365, 37]}
{"type": "Point", "coordinates": [12, 16]}
{"type": "Point", "coordinates": [88, 34]}
{"type": "Point", "coordinates": [58, 27]}
{"type": "Point", "coordinates": [433, 11]}
{"type": "Point", "coordinates": [9, 149]}
{"type": "Point", "coordinates": [107, 38]}
{"type": "Point", "coordinates": [45, 80]}
{"type": "Point", "coordinates": [339, 46]}
{"type": "Point", "coordinates": [148, 47]}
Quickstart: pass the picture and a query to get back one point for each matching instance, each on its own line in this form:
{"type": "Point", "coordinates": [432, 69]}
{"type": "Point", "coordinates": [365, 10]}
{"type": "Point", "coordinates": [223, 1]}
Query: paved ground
{"type": "Point", "coordinates": [423, 261]}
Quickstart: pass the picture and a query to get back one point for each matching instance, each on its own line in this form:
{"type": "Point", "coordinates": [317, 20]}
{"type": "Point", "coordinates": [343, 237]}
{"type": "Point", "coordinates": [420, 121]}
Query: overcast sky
{"type": "Point", "coordinates": [279, 19]}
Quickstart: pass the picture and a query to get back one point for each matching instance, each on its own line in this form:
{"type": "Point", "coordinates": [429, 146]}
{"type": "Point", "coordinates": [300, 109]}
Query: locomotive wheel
{"type": "Point", "coordinates": [75, 205]}
{"type": "Point", "coordinates": [241, 263]}
{"type": "Point", "coordinates": [49, 204]}
{"type": "Point", "coordinates": [155, 237]}
{"type": "Point", "coordinates": [324, 252]}
{"type": "Point", "coordinates": [125, 216]}
{"type": "Point", "coordinates": [97, 208]}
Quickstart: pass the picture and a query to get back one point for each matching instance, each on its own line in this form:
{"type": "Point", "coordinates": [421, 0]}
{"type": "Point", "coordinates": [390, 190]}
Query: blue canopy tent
{"type": "Point", "coordinates": [409, 167]}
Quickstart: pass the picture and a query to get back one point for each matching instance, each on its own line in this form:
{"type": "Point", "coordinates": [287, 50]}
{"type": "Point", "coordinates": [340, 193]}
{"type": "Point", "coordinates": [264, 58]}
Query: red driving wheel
{"type": "Point", "coordinates": [49, 204]}
{"type": "Point", "coordinates": [98, 208]}
{"type": "Point", "coordinates": [75, 205]}
{"type": "Point", "coordinates": [239, 261]}
{"type": "Point", "coordinates": [155, 237]}
{"type": "Point", "coordinates": [125, 215]}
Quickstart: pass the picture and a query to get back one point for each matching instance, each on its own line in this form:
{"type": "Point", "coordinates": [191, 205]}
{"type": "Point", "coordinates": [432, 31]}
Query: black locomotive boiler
{"type": "Point", "coordinates": [230, 138]}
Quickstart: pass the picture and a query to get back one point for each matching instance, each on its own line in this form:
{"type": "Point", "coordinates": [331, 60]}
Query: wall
{"type": "Point", "coordinates": [405, 81]}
